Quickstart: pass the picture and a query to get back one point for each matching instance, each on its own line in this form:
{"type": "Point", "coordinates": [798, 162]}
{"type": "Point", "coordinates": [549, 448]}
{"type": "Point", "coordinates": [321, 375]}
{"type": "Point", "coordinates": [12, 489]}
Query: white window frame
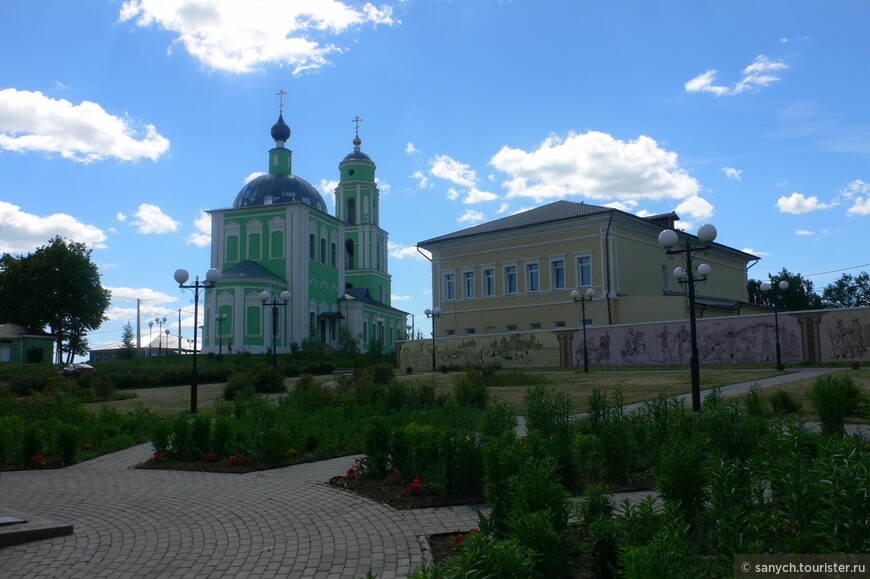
{"type": "Point", "coordinates": [510, 269]}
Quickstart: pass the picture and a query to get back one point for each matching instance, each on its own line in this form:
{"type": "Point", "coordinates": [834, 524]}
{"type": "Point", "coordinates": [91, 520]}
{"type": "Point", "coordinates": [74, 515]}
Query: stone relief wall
{"type": "Point", "coordinates": [818, 336]}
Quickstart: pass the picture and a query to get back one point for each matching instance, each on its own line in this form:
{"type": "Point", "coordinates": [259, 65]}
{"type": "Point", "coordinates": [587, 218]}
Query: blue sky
{"type": "Point", "coordinates": [121, 121]}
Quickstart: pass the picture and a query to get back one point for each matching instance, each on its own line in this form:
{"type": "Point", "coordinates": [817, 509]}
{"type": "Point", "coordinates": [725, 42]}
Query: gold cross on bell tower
{"type": "Point", "coordinates": [280, 94]}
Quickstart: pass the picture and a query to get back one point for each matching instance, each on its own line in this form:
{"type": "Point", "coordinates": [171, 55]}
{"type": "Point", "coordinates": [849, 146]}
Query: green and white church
{"type": "Point", "coordinates": [279, 237]}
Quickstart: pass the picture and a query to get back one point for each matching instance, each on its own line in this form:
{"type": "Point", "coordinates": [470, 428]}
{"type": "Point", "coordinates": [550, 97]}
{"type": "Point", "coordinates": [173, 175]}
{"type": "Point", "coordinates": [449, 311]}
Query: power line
{"type": "Point", "coordinates": [837, 270]}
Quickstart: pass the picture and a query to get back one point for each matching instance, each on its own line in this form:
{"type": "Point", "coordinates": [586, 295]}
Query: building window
{"type": "Point", "coordinates": [558, 274]}
{"type": "Point", "coordinates": [378, 255]}
{"type": "Point", "coordinates": [510, 328]}
{"type": "Point", "coordinates": [535, 326]}
{"type": "Point", "coordinates": [449, 332]}
{"type": "Point", "coordinates": [665, 278]}
{"type": "Point", "coordinates": [365, 332]}
{"type": "Point", "coordinates": [348, 254]}
{"type": "Point", "coordinates": [489, 282]}
{"type": "Point", "coordinates": [254, 245]}
{"type": "Point", "coordinates": [276, 249]}
{"type": "Point", "coordinates": [312, 247]}
{"type": "Point", "coordinates": [322, 251]}
{"type": "Point", "coordinates": [351, 211]}
{"type": "Point", "coordinates": [449, 286]}
{"type": "Point", "coordinates": [584, 271]}
{"type": "Point", "coordinates": [468, 284]}
{"type": "Point", "coordinates": [533, 277]}
{"type": "Point", "coordinates": [232, 248]}
{"type": "Point", "coordinates": [332, 253]}
{"type": "Point", "coordinates": [469, 331]}
{"type": "Point", "coordinates": [558, 324]}
{"type": "Point", "coordinates": [510, 279]}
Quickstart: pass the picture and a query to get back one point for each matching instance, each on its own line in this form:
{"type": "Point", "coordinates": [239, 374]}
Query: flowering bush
{"type": "Point", "coordinates": [88, 447]}
{"type": "Point", "coordinates": [360, 468]}
{"type": "Point", "coordinates": [37, 460]}
{"type": "Point", "coordinates": [415, 487]}
{"type": "Point", "coordinates": [159, 456]}
{"type": "Point", "coordinates": [209, 456]}
{"type": "Point", "coordinates": [238, 459]}
{"type": "Point", "coordinates": [292, 452]}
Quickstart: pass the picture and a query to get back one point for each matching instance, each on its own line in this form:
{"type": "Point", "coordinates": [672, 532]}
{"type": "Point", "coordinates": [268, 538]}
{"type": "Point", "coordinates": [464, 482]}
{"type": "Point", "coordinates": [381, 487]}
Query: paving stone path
{"type": "Point", "coordinates": [280, 523]}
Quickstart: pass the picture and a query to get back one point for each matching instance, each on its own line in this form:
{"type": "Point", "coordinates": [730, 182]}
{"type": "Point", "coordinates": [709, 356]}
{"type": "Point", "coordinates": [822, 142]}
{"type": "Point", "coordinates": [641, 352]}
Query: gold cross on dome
{"type": "Point", "coordinates": [280, 94]}
{"type": "Point", "coordinates": [357, 121]}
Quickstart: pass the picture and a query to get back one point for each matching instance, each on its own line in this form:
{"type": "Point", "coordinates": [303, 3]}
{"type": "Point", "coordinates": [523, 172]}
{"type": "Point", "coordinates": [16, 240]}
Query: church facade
{"type": "Point", "coordinates": [325, 277]}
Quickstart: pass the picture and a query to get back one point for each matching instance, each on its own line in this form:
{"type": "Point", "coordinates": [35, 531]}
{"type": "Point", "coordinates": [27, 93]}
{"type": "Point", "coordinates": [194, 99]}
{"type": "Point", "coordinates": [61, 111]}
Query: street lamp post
{"type": "Point", "coordinates": [264, 297]}
{"type": "Point", "coordinates": [432, 314]}
{"type": "Point", "coordinates": [765, 287]}
{"type": "Point", "coordinates": [159, 323]}
{"type": "Point", "coordinates": [212, 276]}
{"type": "Point", "coordinates": [219, 318]}
{"type": "Point", "coordinates": [167, 332]}
{"type": "Point", "coordinates": [583, 298]}
{"type": "Point", "coordinates": [150, 325]}
{"type": "Point", "coordinates": [686, 275]}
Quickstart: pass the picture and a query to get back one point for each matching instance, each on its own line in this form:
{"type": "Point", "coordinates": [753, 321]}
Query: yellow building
{"type": "Point", "coordinates": [515, 274]}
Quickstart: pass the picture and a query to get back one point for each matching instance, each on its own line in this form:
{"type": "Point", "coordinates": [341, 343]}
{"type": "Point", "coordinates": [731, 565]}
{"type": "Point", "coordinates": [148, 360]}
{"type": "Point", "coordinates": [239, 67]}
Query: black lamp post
{"type": "Point", "coordinates": [765, 287]}
{"type": "Point", "coordinates": [219, 318]}
{"type": "Point", "coordinates": [583, 298]}
{"type": "Point", "coordinates": [669, 239]}
{"type": "Point", "coordinates": [432, 314]}
{"type": "Point", "coordinates": [264, 297]}
{"type": "Point", "coordinates": [150, 325]}
{"type": "Point", "coordinates": [212, 276]}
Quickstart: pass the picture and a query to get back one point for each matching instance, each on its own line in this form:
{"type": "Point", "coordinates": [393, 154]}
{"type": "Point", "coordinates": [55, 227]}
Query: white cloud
{"type": "Point", "coordinates": [452, 194]}
{"type": "Point", "coordinates": [804, 232]}
{"type": "Point", "coordinates": [145, 295]}
{"type": "Point", "coordinates": [594, 165]}
{"type": "Point", "coordinates": [120, 217]}
{"type": "Point", "coordinates": [798, 203]}
{"type": "Point", "coordinates": [202, 236]}
{"type": "Point", "coordinates": [327, 191]}
{"type": "Point", "coordinates": [396, 298]}
{"type": "Point", "coordinates": [22, 232]}
{"type": "Point", "coordinates": [755, 252]}
{"type": "Point", "coordinates": [477, 196]}
{"type": "Point", "coordinates": [762, 72]}
{"type": "Point", "coordinates": [471, 216]}
{"type": "Point", "coordinates": [253, 176]}
{"type": "Point", "coordinates": [627, 206]}
{"type": "Point", "coordinates": [860, 192]}
{"type": "Point", "coordinates": [410, 148]}
{"type": "Point", "coordinates": [733, 173]}
{"type": "Point", "coordinates": [696, 208]}
{"type": "Point", "coordinates": [31, 121]}
{"type": "Point", "coordinates": [151, 219]}
{"type": "Point", "coordinates": [241, 37]}
{"type": "Point", "coordinates": [503, 207]}
{"type": "Point", "coordinates": [452, 170]}
{"type": "Point", "coordinates": [422, 180]}
{"type": "Point", "coordinates": [402, 251]}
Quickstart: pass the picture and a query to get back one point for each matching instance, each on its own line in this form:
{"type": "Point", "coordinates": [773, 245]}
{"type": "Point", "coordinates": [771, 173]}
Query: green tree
{"type": "Point", "coordinates": [56, 286]}
{"type": "Point", "coordinates": [129, 346]}
{"type": "Point", "coordinates": [848, 291]}
{"type": "Point", "coordinates": [799, 295]}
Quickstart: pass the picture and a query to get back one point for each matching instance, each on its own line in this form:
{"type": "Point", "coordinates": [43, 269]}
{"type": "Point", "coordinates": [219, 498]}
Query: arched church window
{"type": "Point", "coordinates": [351, 211]}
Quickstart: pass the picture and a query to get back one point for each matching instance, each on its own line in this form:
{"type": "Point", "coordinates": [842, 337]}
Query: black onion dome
{"type": "Point", "coordinates": [280, 130]}
{"type": "Point", "coordinates": [281, 189]}
{"type": "Point", "coordinates": [357, 154]}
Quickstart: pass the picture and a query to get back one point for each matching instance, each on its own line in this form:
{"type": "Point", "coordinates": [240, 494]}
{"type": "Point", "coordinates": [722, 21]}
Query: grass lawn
{"type": "Point", "coordinates": [166, 400]}
{"type": "Point", "coordinates": [799, 388]}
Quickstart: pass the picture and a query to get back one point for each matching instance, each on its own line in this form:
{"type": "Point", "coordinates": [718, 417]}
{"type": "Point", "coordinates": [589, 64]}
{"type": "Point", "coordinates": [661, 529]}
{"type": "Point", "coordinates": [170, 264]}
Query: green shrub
{"type": "Point", "coordinates": [32, 442]}
{"type": "Point", "coordinates": [161, 432]}
{"type": "Point", "coordinates": [201, 432]}
{"type": "Point", "coordinates": [239, 385]}
{"type": "Point", "coordinates": [781, 402]}
{"type": "Point", "coordinates": [754, 402]}
{"type": "Point", "coordinates": [470, 390]}
{"type": "Point", "coordinates": [223, 436]}
{"type": "Point", "coordinates": [382, 373]}
{"type": "Point", "coordinates": [499, 420]}
{"type": "Point", "coordinates": [66, 443]}
{"type": "Point", "coordinates": [548, 412]}
{"type": "Point", "coordinates": [376, 438]}
{"type": "Point", "coordinates": [309, 394]}
{"type": "Point", "coordinates": [268, 379]}
{"type": "Point", "coordinates": [35, 355]}
{"type": "Point", "coordinates": [680, 476]}
{"type": "Point", "coordinates": [27, 384]}
{"type": "Point", "coordinates": [834, 396]}
{"type": "Point", "coordinates": [485, 555]}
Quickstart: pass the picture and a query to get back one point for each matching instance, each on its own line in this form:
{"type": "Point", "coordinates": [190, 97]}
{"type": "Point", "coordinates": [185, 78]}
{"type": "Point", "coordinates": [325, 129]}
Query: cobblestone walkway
{"type": "Point", "coordinates": [280, 523]}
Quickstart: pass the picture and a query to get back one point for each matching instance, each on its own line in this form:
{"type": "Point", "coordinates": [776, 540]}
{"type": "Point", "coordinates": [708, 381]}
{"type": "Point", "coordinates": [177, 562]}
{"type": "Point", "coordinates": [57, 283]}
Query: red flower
{"type": "Point", "coordinates": [475, 530]}
{"type": "Point", "coordinates": [210, 456]}
{"type": "Point", "coordinates": [458, 539]}
{"type": "Point", "coordinates": [158, 456]}
{"type": "Point", "coordinates": [396, 474]}
{"type": "Point", "coordinates": [415, 486]}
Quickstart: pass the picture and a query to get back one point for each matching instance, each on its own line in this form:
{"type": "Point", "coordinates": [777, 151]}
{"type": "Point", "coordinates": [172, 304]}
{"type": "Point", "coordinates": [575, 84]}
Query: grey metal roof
{"type": "Point", "coordinates": [16, 332]}
{"type": "Point", "coordinates": [362, 294]}
{"type": "Point", "coordinates": [249, 268]}
{"type": "Point", "coordinates": [274, 189]}
{"type": "Point", "coordinates": [558, 211]}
